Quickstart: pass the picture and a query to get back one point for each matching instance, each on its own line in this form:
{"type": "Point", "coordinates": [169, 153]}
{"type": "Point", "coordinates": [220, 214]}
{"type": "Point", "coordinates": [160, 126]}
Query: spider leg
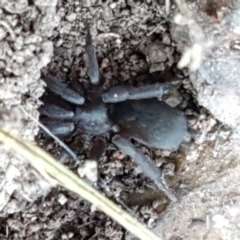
{"type": "Point", "coordinates": [63, 90]}
{"type": "Point", "coordinates": [145, 162]}
{"type": "Point", "coordinates": [57, 128]}
{"type": "Point", "coordinates": [123, 93]}
{"type": "Point", "coordinates": [93, 68]}
{"type": "Point", "coordinates": [56, 112]}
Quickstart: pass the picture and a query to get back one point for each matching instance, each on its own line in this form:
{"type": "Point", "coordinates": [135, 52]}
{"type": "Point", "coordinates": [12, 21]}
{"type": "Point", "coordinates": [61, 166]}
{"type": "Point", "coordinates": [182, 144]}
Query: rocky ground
{"type": "Point", "coordinates": [135, 41]}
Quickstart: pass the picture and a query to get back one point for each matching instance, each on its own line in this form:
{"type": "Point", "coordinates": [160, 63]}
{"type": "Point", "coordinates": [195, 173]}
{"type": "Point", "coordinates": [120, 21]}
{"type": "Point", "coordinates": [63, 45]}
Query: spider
{"type": "Point", "coordinates": [128, 112]}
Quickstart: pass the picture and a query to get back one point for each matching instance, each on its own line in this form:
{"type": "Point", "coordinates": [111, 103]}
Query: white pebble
{"type": "Point", "coordinates": [71, 17]}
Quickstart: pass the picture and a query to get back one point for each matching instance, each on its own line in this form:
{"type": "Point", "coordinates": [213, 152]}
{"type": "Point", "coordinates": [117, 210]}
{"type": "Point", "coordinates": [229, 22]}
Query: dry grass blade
{"type": "Point", "coordinates": [59, 174]}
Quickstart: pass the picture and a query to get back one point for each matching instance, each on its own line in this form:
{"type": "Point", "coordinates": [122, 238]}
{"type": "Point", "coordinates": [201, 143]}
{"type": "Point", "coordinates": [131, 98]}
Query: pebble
{"type": "Point", "coordinates": [71, 17]}
{"type": "Point", "coordinates": [156, 53]}
{"type": "Point", "coordinates": [3, 33]}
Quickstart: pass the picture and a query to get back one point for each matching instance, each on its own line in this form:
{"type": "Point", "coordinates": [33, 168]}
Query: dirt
{"type": "Point", "coordinates": [132, 39]}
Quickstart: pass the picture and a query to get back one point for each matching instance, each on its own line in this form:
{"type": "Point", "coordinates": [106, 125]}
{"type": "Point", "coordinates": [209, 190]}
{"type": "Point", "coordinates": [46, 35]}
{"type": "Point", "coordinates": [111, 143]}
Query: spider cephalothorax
{"type": "Point", "coordinates": [129, 112]}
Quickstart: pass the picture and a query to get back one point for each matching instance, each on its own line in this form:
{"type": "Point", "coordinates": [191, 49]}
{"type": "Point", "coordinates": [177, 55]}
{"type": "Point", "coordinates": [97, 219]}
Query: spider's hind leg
{"type": "Point", "coordinates": [145, 162]}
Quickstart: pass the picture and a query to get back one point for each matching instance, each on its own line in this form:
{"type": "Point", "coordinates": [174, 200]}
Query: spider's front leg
{"type": "Point", "coordinates": [51, 114]}
{"type": "Point", "coordinates": [63, 90]}
{"type": "Point", "coordinates": [53, 111]}
{"type": "Point", "coordinates": [123, 93]}
{"type": "Point", "coordinates": [93, 68]}
{"type": "Point", "coordinates": [145, 162]}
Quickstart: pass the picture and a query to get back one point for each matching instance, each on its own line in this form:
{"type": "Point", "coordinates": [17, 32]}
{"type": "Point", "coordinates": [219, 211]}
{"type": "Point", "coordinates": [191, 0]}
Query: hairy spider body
{"type": "Point", "coordinates": [134, 113]}
{"type": "Point", "coordinates": [149, 121]}
{"type": "Point", "coordinates": [93, 120]}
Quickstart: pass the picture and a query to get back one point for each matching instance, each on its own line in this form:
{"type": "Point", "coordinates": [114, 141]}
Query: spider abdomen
{"type": "Point", "coordinates": [151, 122]}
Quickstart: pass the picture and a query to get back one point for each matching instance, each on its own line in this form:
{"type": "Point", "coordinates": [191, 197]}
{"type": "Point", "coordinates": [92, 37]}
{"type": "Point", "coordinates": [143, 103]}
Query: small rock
{"type": "Point", "coordinates": [156, 52]}
{"type": "Point", "coordinates": [70, 235]}
{"type": "Point", "coordinates": [62, 199]}
{"type": "Point", "coordinates": [158, 67]}
{"type": "Point", "coordinates": [104, 63]}
{"type": "Point", "coordinates": [15, 6]}
{"type": "Point", "coordinates": [113, 5]}
{"type": "Point", "coordinates": [166, 39]}
{"type": "Point", "coordinates": [89, 170]}
{"type": "Point", "coordinates": [3, 33]}
{"type": "Point", "coordinates": [119, 155]}
{"type": "Point", "coordinates": [118, 54]}
{"type": "Point", "coordinates": [2, 65]}
{"type": "Point", "coordinates": [59, 42]}
{"type": "Point", "coordinates": [169, 169]}
{"type": "Point", "coordinates": [18, 44]}
{"type": "Point", "coordinates": [71, 17]}
{"type": "Point", "coordinates": [107, 13]}
{"type": "Point", "coordinates": [32, 39]}
{"type": "Point", "coordinates": [86, 3]}
{"type": "Point", "coordinates": [174, 99]}
{"type": "Point", "coordinates": [125, 75]}
{"type": "Point", "coordinates": [118, 41]}
{"type": "Point", "coordinates": [64, 236]}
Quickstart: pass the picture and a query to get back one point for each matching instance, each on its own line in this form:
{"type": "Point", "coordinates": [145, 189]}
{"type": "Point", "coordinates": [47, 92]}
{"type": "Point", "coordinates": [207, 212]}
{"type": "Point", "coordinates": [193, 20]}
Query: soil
{"type": "Point", "coordinates": [134, 46]}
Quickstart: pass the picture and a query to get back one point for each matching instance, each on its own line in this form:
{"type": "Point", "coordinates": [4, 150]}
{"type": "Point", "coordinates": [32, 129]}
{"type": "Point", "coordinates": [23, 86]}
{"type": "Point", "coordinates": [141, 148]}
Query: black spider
{"type": "Point", "coordinates": [130, 112]}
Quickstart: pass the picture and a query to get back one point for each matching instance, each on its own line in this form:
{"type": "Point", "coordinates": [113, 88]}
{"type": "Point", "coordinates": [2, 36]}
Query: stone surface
{"type": "Point", "coordinates": [217, 79]}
